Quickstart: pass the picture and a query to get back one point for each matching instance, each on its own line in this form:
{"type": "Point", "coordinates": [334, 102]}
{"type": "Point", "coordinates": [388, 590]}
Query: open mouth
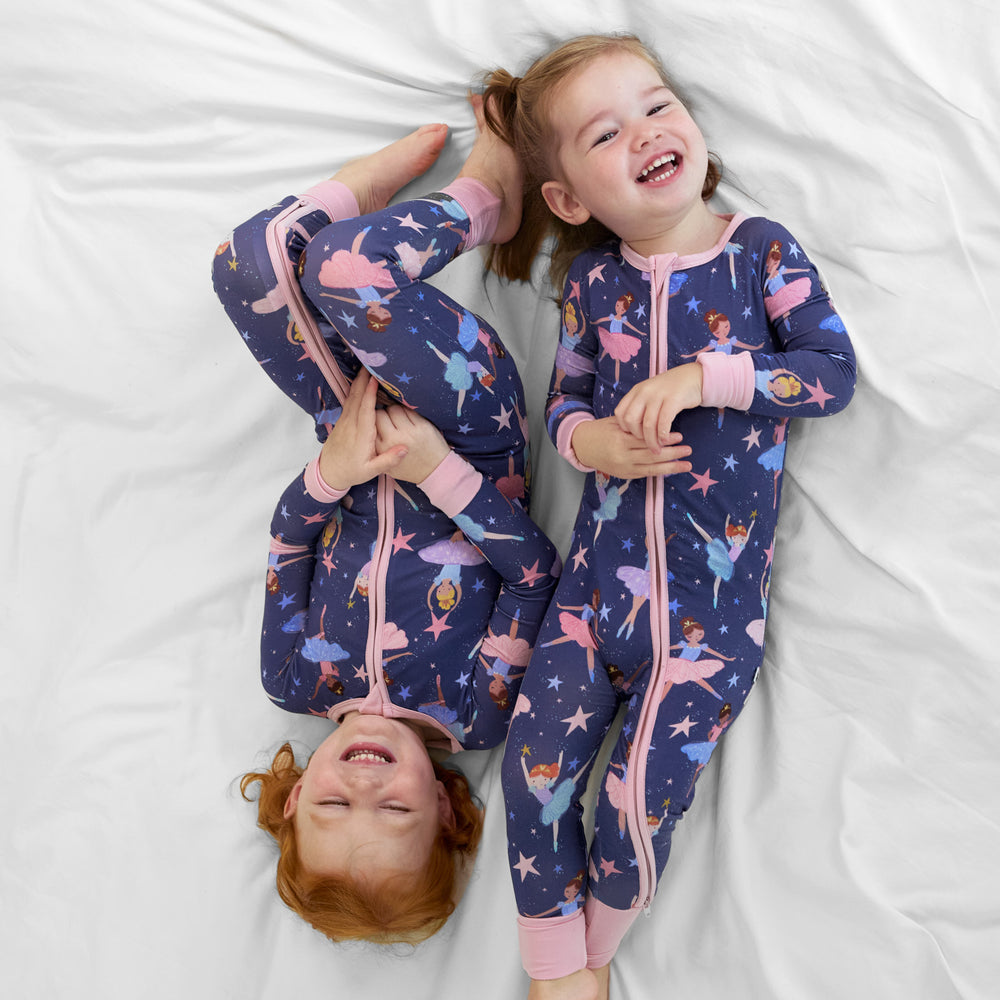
{"type": "Point", "coordinates": [367, 753]}
{"type": "Point", "coordinates": [660, 169]}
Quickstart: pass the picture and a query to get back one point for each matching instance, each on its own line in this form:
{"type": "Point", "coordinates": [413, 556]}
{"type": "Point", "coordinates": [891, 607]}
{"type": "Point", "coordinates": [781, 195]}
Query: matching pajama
{"type": "Point", "coordinates": [663, 599]}
{"type": "Point", "coordinates": [420, 601]}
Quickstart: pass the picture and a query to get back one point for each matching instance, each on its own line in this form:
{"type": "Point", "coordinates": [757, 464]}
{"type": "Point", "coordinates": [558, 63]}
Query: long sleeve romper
{"type": "Point", "coordinates": [664, 595]}
{"type": "Point", "coordinates": [418, 602]}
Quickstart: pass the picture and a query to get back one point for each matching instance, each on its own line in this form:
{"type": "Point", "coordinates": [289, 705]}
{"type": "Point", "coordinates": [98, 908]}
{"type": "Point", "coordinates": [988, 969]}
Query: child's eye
{"type": "Point", "coordinates": [395, 808]}
{"type": "Point", "coordinates": [657, 108]}
{"type": "Point", "coordinates": [606, 137]}
{"type": "Point", "coordinates": [334, 802]}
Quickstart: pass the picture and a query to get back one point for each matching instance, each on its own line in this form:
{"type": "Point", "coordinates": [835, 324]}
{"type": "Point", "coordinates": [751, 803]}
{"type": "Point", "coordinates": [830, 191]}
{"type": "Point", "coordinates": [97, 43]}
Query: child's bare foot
{"type": "Point", "coordinates": [494, 163]}
{"type": "Point", "coordinates": [581, 985]}
{"type": "Point", "coordinates": [375, 178]}
{"type": "Point", "coordinates": [603, 977]}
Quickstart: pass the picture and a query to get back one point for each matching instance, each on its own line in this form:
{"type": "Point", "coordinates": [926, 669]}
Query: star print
{"type": "Point", "coordinates": [734, 680]}
{"type": "Point", "coordinates": [526, 866]}
{"type": "Point", "coordinates": [817, 394]}
{"type": "Point", "coordinates": [404, 693]}
{"type": "Point", "coordinates": [525, 750]}
{"type": "Point", "coordinates": [627, 544]}
{"type": "Point", "coordinates": [463, 680]}
{"type": "Point", "coordinates": [232, 265]}
{"type": "Point", "coordinates": [684, 726]}
{"type": "Point", "coordinates": [702, 482]}
{"type": "Point", "coordinates": [554, 682]}
{"type": "Point", "coordinates": [438, 625]}
{"type": "Point", "coordinates": [348, 320]}
{"type": "Point", "coordinates": [284, 512]}
{"type": "Point", "coordinates": [401, 541]}
{"type": "Point", "coordinates": [286, 599]}
{"type": "Point", "coordinates": [747, 312]}
{"type": "Point", "coordinates": [531, 576]}
{"type": "Point", "coordinates": [573, 764]}
{"type": "Point", "coordinates": [609, 867]}
{"type": "Point", "coordinates": [579, 559]}
{"type": "Point", "coordinates": [731, 462]}
{"type": "Point", "coordinates": [578, 720]}
{"type": "Point", "coordinates": [465, 428]}
{"type": "Point", "coordinates": [752, 439]}
{"type": "Point", "coordinates": [503, 418]}
{"type": "Point", "coordinates": [404, 378]}
{"type": "Point", "coordinates": [794, 250]}
{"type": "Point", "coordinates": [408, 222]}
{"type": "Point", "coordinates": [360, 672]}
{"type": "Point", "coordinates": [693, 304]}
{"type": "Point", "coordinates": [315, 519]}
{"type": "Point", "coordinates": [596, 273]}
{"type": "Point", "coordinates": [604, 611]}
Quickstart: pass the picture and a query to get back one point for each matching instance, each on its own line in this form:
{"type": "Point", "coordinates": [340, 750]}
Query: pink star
{"type": "Point", "coordinates": [401, 541]}
{"type": "Point", "coordinates": [503, 417]}
{"type": "Point", "coordinates": [525, 866]}
{"type": "Point", "coordinates": [409, 222]}
{"type": "Point", "coordinates": [578, 720]}
{"type": "Point", "coordinates": [438, 625]}
{"type": "Point", "coordinates": [316, 519]}
{"type": "Point", "coordinates": [596, 273]}
{"type": "Point", "coordinates": [609, 868]}
{"type": "Point", "coordinates": [531, 576]}
{"type": "Point", "coordinates": [684, 726]}
{"type": "Point", "coordinates": [702, 482]}
{"type": "Point", "coordinates": [578, 557]}
{"type": "Point", "coordinates": [752, 439]}
{"type": "Point", "coordinates": [770, 555]}
{"type": "Point", "coordinates": [817, 394]}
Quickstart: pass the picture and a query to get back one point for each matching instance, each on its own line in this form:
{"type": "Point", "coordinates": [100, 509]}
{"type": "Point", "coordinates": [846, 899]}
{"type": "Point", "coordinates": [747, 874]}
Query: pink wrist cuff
{"type": "Point", "coordinates": [564, 439]}
{"type": "Point", "coordinates": [481, 205]}
{"type": "Point", "coordinates": [605, 929]}
{"type": "Point", "coordinates": [727, 380]}
{"type": "Point", "coordinates": [317, 488]}
{"type": "Point", "coordinates": [336, 199]}
{"type": "Point", "coordinates": [552, 946]}
{"type": "Point", "coordinates": [452, 485]}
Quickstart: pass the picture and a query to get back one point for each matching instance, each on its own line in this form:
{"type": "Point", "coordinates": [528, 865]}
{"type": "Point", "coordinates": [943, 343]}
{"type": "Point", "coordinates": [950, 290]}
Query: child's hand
{"type": "Point", "coordinates": [496, 165]}
{"type": "Point", "coordinates": [423, 444]}
{"type": "Point", "coordinates": [648, 409]}
{"type": "Point", "coordinates": [607, 446]}
{"type": "Point", "coordinates": [349, 454]}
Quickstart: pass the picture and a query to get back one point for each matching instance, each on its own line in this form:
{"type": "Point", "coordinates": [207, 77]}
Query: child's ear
{"type": "Point", "coordinates": [564, 204]}
{"type": "Point", "coordinates": [446, 812]}
{"type": "Point", "coordinates": [292, 802]}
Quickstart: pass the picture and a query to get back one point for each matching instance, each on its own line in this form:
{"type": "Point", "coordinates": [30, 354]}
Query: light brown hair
{"type": "Point", "coordinates": [406, 907]}
{"type": "Point", "coordinates": [517, 110]}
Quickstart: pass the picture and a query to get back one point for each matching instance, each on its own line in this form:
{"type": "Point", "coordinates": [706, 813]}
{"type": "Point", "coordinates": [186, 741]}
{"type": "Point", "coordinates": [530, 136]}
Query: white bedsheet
{"type": "Point", "coordinates": [845, 843]}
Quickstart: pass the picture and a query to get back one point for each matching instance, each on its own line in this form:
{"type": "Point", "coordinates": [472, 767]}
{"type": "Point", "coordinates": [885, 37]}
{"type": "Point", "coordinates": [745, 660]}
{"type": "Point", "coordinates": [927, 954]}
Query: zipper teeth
{"type": "Point", "coordinates": [641, 837]}
{"type": "Point", "coordinates": [376, 593]}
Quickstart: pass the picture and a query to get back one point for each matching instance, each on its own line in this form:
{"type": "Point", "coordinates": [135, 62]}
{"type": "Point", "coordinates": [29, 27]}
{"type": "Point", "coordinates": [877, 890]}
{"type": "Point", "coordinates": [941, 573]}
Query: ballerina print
{"type": "Point", "coordinates": [701, 753]}
{"type": "Point", "coordinates": [782, 296]}
{"type": "Point", "coordinates": [778, 385]}
{"type": "Point", "coordinates": [572, 897]}
{"type": "Point", "coordinates": [572, 329]}
{"type": "Point", "coordinates": [774, 458]}
{"type": "Point", "coordinates": [689, 667]}
{"type": "Point", "coordinates": [555, 799]}
{"type": "Point", "coordinates": [470, 333]}
{"type": "Point", "coordinates": [499, 655]}
{"type": "Point", "coordinates": [460, 372]}
{"type": "Point", "coordinates": [610, 500]}
{"type": "Point", "coordinates": [580, 628]}
{"type": "Point", "coordinates": [615, 342]}
{"type": "Point", "coordinates": [320, 650]}
{"type": "Point", "coordinates": [722, 556]}
{"type": "Point", "coordinates": [352, 269]}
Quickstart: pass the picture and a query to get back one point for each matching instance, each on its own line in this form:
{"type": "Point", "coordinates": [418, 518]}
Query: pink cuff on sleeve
{"type": "Point", "coordinates": [317, 488]}
{"type": "Point", "coordinates": [481, 205]}
{"type": "Point", "coordinates": [336, 199]}
{"type": "Point", "coordinates": [452, 485]}
{"type": "Point", "coordinates": [605, 929]}
{"type": "Point", "coordinates": [727, 380]}
{"type": "Point", "coordinates": [564, 439]}
{"type": "Point", "coordinates": [552, 946]}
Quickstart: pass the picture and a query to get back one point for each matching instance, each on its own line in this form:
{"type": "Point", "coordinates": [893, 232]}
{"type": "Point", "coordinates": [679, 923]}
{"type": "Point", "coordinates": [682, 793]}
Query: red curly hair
{"type": "Point", "coordinates": [402, 907]}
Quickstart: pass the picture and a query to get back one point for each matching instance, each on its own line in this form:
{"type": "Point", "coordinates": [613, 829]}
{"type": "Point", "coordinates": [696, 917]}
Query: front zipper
{"type": "Point", "coordinates": [320, 353]}
{"type": "Point", "coordinates": [642, 839]}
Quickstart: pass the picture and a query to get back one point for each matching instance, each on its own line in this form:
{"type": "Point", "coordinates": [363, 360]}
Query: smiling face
{"type": "Point", "coordinates": [368, 802]}
{"type": "Point", "coordinates": [630, 155]}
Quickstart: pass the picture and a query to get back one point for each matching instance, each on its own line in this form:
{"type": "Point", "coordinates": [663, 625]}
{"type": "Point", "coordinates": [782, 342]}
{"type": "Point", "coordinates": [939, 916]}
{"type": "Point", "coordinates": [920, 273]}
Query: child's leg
{"type": "Point", "coordinates": [366, 277]}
